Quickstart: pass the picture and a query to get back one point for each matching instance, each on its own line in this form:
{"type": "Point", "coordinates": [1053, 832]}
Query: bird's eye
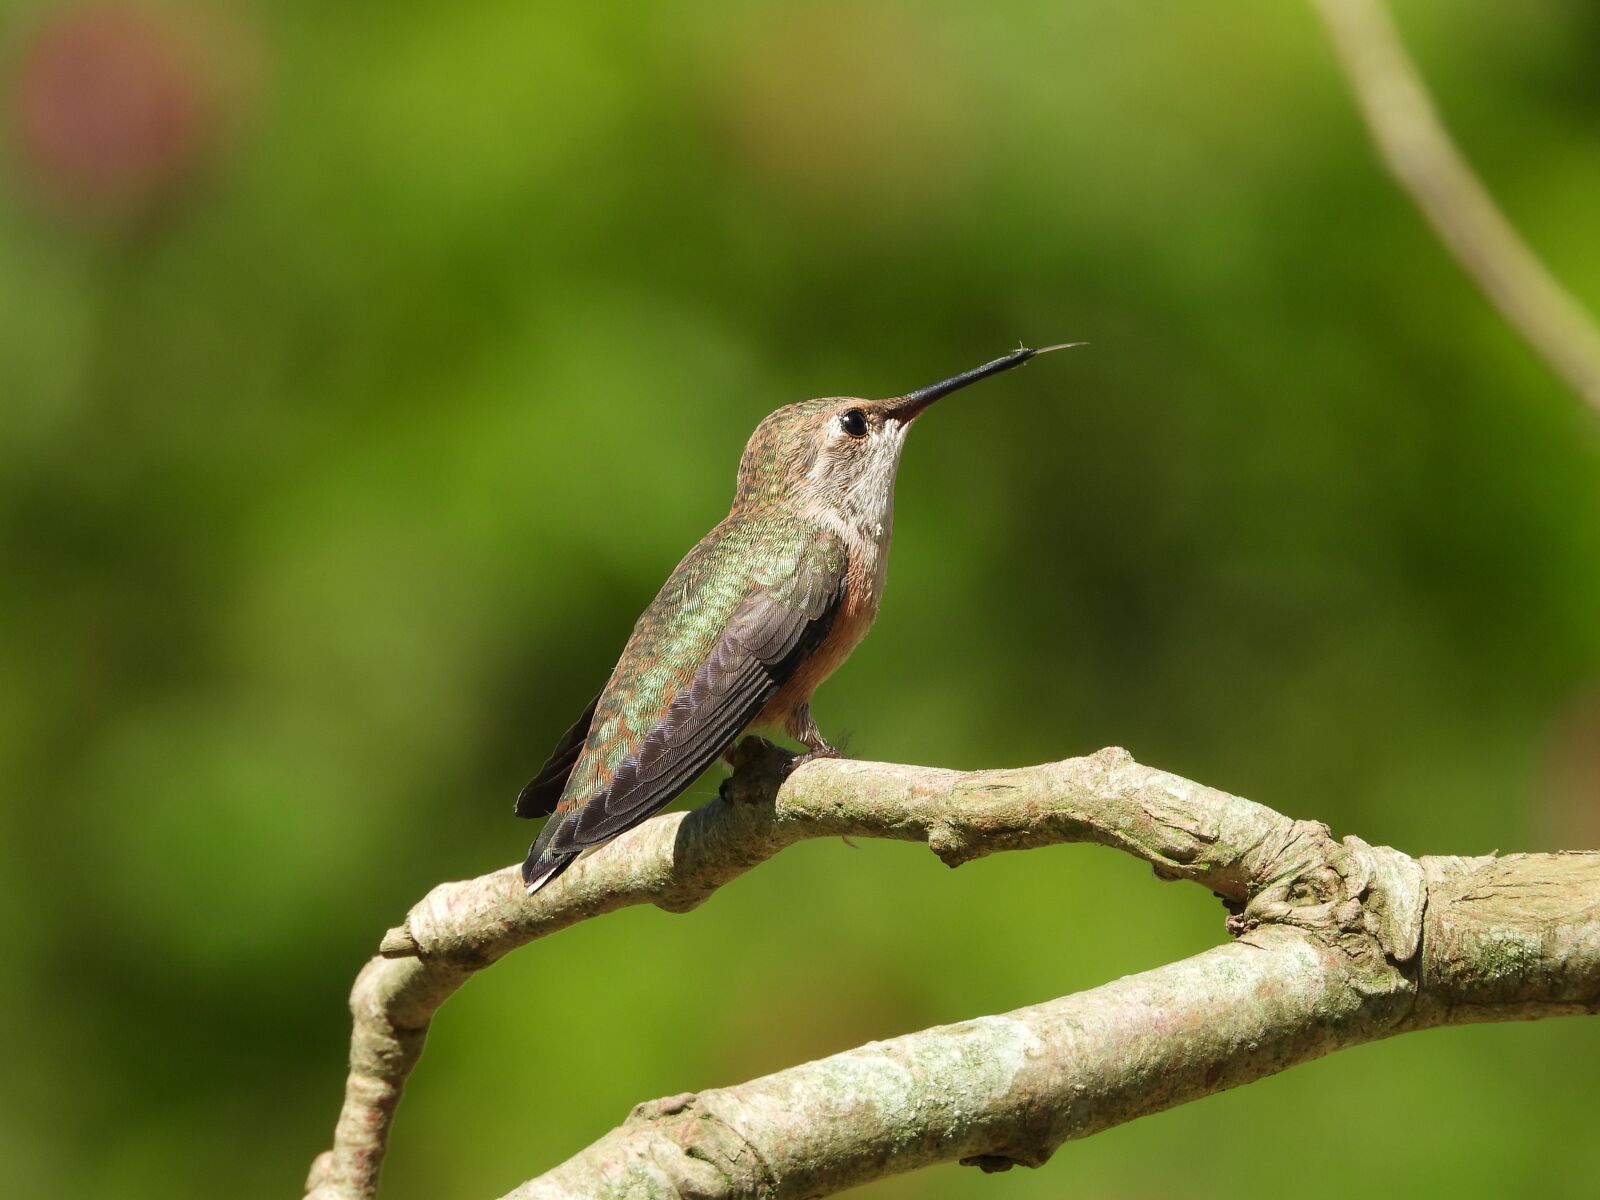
{"type": "Point", "coordinates": [854, 422]}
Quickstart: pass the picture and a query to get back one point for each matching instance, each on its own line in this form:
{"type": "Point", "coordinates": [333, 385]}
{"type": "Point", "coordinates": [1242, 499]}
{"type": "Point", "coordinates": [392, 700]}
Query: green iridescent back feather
{"type": "Point", "coordinates": [758, 545]}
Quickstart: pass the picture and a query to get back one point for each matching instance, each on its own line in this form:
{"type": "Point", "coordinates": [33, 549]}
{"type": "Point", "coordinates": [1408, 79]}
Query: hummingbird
{"type": "Point", "coordinates": [760, 612]}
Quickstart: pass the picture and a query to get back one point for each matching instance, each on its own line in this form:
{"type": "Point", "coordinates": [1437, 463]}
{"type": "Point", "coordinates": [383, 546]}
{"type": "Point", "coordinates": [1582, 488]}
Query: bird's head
{"type": "Point", "coordinates": [838, 455]}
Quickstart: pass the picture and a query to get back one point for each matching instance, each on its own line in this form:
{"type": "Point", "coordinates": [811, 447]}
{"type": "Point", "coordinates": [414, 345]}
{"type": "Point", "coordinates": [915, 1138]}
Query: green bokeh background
{"type": "Point", "coordinates": [329, 493]}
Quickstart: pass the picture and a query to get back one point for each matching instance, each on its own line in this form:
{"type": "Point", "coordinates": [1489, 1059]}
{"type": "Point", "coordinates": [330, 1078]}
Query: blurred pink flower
{"type": "Point", "coordinates": [114, 105]}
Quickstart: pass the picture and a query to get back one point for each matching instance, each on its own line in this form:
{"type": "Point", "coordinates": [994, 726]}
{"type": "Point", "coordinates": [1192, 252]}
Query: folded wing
{"type": "Point", "coordinates": [768, 637]}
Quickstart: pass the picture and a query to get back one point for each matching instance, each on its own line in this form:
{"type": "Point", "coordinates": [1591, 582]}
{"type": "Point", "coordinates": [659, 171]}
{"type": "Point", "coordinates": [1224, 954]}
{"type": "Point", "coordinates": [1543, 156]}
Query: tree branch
{"type": "Point", "coordinates": [1419, 153]}
{"type": "Point", "coordinates": [1334, 950]}
{"type": "Point", "coordinates": [992, 1092]}
{"type": "Point", "coordinates": [1504, 939]}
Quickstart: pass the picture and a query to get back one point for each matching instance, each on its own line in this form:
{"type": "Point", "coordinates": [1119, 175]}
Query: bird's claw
{"type": "Point", "coordinates": [822, 751]}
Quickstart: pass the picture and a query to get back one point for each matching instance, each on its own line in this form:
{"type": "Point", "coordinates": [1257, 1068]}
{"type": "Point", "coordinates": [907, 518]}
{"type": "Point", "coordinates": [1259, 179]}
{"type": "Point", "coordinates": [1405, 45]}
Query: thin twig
{"type": "Point", "coordinates": [1423, 159]}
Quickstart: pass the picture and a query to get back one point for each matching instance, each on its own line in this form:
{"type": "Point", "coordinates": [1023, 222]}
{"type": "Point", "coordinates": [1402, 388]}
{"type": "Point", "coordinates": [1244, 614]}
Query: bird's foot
{"type": "Point", "coordinates": [802, 727]}
{"type": "Point", "coordinates": [812, 754]}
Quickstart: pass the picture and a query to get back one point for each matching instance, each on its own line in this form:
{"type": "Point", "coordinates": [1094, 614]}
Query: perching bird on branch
{"type": "Point", "coordinates": [755, 617]}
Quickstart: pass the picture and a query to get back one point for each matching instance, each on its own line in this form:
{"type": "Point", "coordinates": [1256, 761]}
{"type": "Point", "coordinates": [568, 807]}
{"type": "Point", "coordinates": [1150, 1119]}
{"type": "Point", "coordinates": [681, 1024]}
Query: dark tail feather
{"type": "Point", "coordinates": [540, 797]}
{"type": "Point", "coordinates": [541, 868]}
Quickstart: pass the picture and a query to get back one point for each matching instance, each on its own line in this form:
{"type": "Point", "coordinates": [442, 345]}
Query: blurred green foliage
{"type": "Point", "coordinates": [332, 477]}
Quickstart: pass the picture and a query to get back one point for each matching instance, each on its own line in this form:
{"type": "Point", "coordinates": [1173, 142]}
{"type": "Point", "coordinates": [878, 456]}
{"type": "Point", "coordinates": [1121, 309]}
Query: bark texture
{"type": "Point", "coordinates": [1338, 943]}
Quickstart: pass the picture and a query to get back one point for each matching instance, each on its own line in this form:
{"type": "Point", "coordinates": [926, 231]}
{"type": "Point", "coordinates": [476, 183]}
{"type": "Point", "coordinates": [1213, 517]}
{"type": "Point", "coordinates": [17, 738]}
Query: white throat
{"type": "Point", "coordinates": [862, 512]}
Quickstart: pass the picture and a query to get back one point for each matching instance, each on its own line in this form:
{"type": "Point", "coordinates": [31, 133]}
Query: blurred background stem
{"type": "Point", "coordinates": [1419, 153]}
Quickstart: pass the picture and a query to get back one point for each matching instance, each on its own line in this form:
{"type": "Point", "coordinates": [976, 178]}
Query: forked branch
{"type": "Point", "coordinates": [1339, 943]}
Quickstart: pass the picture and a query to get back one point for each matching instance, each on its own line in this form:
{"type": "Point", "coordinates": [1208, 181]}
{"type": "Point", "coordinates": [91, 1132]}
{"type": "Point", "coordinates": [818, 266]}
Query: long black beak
{"type": "Point", "coordinates": [906, 408]}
